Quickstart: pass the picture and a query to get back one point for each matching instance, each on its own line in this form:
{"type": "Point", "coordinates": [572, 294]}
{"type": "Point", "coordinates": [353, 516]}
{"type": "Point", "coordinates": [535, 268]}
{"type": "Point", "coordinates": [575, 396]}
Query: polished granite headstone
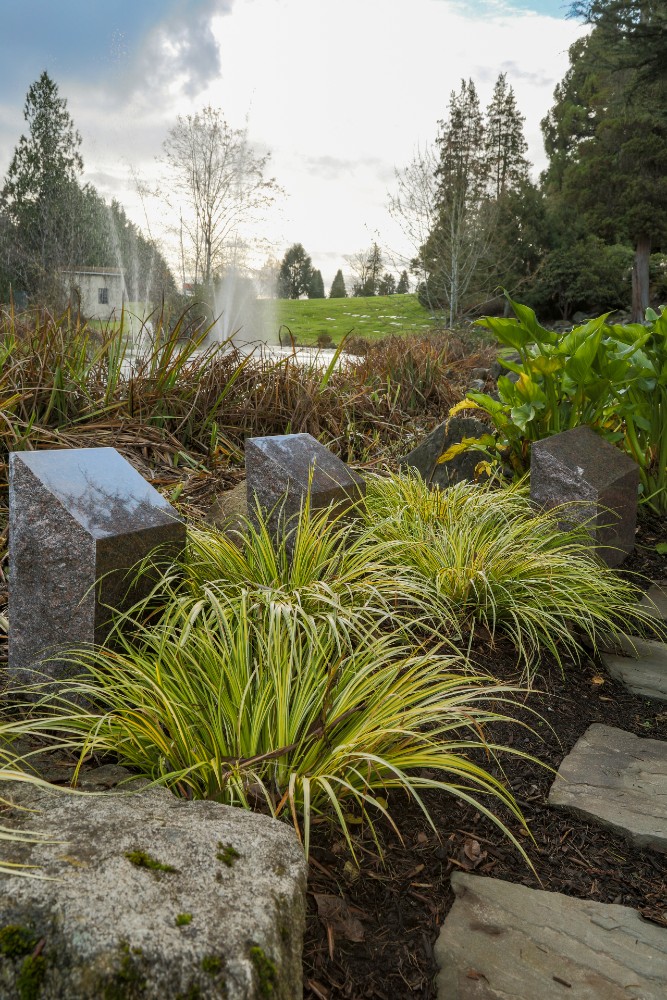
{"type": "Point", "coordinates": [278, 475]}
{"type": "Point", "coordinates": [602, 482]}
{"type": "Point", "coordinates": [79, 519]}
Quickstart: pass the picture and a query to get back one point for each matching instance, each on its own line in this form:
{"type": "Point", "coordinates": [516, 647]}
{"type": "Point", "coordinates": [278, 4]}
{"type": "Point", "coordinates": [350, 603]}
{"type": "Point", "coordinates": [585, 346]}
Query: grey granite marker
{"type": "Point", "coordinates": [79, 519]}
{"type": "Point", "coordinates": [278, 474]}
{"type": "Point", "coordinates": [425, 456]}
{"type": "Point", "coordinates": [578, 466]}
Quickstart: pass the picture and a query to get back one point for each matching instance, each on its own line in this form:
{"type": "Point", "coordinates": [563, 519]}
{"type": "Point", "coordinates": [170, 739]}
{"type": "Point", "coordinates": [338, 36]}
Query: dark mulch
{"type": "Point", "coordinates": [370, 931]}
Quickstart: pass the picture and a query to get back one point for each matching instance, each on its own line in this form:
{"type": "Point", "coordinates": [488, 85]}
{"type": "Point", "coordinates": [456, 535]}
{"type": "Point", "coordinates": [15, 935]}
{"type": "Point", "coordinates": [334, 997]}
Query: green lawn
{"type": "Point", "coordinates": [373, 317]}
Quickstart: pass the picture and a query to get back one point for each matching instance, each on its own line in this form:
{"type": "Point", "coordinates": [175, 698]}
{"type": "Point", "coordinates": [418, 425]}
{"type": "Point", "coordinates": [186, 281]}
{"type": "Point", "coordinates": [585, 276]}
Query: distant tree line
{"type": "Point", "coordinates": [51, 222]}
{"type": "Point", "coordinates": [591, 234]}
{"type": "Point", "coordinates": [297, 277]}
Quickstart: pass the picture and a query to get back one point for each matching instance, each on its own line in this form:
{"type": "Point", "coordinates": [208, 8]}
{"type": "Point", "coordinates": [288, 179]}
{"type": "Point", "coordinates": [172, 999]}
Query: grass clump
{"type": "Point", "coordinates": [485, 557]}
{"type": "Point", "coordinates": [262, 696]}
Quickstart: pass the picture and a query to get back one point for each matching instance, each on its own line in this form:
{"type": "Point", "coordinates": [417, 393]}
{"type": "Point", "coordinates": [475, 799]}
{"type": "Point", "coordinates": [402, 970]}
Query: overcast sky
{"type": "Point", "coordinates": [339, 91]}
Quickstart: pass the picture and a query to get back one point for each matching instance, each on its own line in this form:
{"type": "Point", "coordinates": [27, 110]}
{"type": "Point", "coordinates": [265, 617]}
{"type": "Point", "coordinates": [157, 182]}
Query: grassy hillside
{"type": "Point", "coordinates": [373, 317]}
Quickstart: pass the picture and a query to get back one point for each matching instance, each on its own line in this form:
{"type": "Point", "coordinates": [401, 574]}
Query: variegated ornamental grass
{"type": "Point", "coordinates": [485, 556]}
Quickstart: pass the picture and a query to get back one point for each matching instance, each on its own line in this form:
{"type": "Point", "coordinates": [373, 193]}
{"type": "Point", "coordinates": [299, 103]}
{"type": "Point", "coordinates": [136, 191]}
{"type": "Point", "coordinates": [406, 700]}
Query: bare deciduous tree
{"type": "Point", "coordinates": [218, 183]}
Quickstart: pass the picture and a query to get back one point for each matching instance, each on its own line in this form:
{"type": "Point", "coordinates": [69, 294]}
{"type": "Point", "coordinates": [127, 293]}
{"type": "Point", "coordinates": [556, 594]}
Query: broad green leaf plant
{"type": "Point", "coordinates": [610, 377]}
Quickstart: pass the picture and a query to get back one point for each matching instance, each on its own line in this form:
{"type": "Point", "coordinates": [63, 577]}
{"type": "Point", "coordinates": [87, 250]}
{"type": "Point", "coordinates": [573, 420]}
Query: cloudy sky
{"type": "Point", "coordinates": [339, 91]}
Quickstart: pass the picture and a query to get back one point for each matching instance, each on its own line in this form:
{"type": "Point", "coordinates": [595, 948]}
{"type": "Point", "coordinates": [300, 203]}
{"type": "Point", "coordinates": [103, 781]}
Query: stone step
{"type": "Point", "coordinates": [506, 942]}
{"type": "Point", "coordinates": [617, 780]}
{"type": "Point", "coordinates": [655, 601]}
{"type": "Point", "coordinates": [643, 668]}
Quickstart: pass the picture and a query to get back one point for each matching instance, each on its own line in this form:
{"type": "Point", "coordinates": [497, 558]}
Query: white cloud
{"type": "Point", "coordinates": [341, 92]}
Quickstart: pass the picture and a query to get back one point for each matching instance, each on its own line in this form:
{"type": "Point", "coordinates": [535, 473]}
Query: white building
{"type": "Point", "coordinates": [97, 292]}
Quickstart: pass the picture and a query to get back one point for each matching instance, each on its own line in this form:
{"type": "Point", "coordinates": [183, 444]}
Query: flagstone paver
{"type": "Point", "coordinates": [506, 942]}
{"type": "Point", "coordinates": [655, 600]}
{"type": "Point", "coordinates": [618, 780]}
{"type": "Point", "coordinates": [643, 670]}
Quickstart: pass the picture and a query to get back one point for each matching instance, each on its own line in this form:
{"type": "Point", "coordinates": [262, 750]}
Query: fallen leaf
{"type": "Point", "coordinates": [335, 914]}
{"type": "Point", "coordinates": [597, 679]}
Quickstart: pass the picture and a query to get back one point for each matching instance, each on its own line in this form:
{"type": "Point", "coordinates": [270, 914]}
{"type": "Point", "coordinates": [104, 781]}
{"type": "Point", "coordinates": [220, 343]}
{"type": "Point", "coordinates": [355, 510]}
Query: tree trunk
{"type": "Point", "coordinates": [640, 279]}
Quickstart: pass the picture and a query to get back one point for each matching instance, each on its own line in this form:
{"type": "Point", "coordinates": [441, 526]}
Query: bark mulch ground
{"type": "Point", "coordinates": [371, 930]}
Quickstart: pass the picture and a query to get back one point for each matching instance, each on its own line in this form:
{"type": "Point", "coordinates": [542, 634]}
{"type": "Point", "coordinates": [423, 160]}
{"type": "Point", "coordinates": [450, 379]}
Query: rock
{"type": "Point", "coordinates": [581, 317]}
{"type": "Point", "coordinates": [229, 511]}
{"type": "Point", "coordinates": [424, 457]}
{"type": "Point", "coordinates": [79, 519]}
{"type": "Point", "coordinates": [643, 668]}
{"type": "Point", "coordinates": [655, 601]}
{"type": "Point", "coordinates": [497, 369]}
{"type": "Point", "coordinates": [480, 373]}
{"type": "Point", "coordinates": [561, 326]}
{"type": "Point", "coordinates": [617, 780]}
{"type": "Point", "coordinates": [508, 942]}
{"type": "Point", "coordinates": [477, 385]}
{"type": "Point", "coordinates": [278, 476]}
{"type": "Point", "coordinates": [602, 482]}
{"type": "Point", "coordinates": [156, 898]}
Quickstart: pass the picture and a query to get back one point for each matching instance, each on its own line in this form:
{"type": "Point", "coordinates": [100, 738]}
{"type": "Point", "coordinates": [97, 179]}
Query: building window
{"type": "Point", "coordinates": [103, 296]}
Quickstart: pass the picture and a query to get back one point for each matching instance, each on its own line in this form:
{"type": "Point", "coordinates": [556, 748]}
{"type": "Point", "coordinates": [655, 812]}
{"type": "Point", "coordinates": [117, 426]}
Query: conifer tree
{"type": "Point", "coordinates": [41, 192]}
{"type": "Point", "coordinates": [504, 141]}
{"type": "Point", "coordinates": [403, 286]}
{"type": "Point", "coordinates": [387, 284]}
{"type": "Point", "coordinates": [607, 143]}
{"type": "Point", "coordinates": [338, 290]}
{"type": "Point", "coordinates": [295, 273]}
{"type": "Point", "coordinates": [316, 286]}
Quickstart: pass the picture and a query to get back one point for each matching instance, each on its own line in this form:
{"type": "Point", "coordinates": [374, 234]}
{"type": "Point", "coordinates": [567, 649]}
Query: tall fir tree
{"type": "Point", "coordinates": [338, 290]}
{"type": "Point", "coordinates": [607, 143]}
{"type": "Point", "coordinates": [41, 192]}
{"type": "Point", "coordinates": [403, 286]}
{"type": "Point", "coordinates": [504, 141]}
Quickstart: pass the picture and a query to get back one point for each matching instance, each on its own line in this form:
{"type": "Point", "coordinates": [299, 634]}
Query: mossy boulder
{"type": "Point", "coordinates": [107, 922]}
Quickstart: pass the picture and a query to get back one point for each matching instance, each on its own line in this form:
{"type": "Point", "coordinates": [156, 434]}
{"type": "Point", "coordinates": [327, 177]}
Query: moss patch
{"type": "Point", "coordinates": [266, 972]}
{"type": "Point", "coordinates": [129, 983]}
{"type": "Point", "coordinates": [15, 941]}
{"type": "Point", "coordinates": [212, 964]}
{"type": "Point", "coordinates": [227, 854]}
{"type": "Point", "coordinates": [30, 978]}
{"type": "Point", "coordinates": [142, 859]}
{"type": "Point", "coordinates": [183, 919]}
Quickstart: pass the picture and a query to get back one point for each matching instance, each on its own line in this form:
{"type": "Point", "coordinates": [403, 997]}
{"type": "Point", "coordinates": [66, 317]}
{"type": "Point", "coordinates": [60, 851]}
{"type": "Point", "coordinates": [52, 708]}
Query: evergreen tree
{"type": "Point", "coordinates": [316, 286]}
{"type": "Point", "coordinates": [460, 238]}
{"type": "Point", "coordinates": [41, 193]}
{"type": "Point", "coordinates": [338, 290]}
{"type": "Point", "coordinates": [295, 273]}
{"type": "Point", "coordinates": [403, 286]}
{"type": "Point", "coordinates": [387, 284]}
{"type": "Point", "coordinates": [504, 141]}
{"type": "Point", "coordinates": [367, 266]}
{"type": "Point", "coordinates": [607, 143]}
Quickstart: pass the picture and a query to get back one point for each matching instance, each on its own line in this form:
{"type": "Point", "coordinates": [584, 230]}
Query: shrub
{"type": "Point", "coordinates": [484, 556]}
{"type": "Point", "coordinates": [613, 378]}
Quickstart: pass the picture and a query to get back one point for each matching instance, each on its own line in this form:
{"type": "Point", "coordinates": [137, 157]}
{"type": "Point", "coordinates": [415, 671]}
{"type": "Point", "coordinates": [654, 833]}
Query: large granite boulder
{"type": "Point", "coordinates": [151, 897]}
{"type": "Point", "coordinates": [597, 479]}
{"type": "Point", "coordinates": [424, 458]}
{"type": "Point", "coordinates": [79, 520]}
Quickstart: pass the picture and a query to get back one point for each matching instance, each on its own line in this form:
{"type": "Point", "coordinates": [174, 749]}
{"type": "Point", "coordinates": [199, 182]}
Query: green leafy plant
{"type": "Point", "coordinates": [484, 556]}
{"type": "Point", "coordinates": [611, 377]}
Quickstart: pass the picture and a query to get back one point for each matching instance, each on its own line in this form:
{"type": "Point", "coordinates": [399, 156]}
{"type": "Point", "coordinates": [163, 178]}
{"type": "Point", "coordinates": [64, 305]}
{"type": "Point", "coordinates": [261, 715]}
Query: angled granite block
{"type": "Point", "coordinates": [79, 519]}
{"type": "Point", "coordinates": [425, 456]}
{"type": "Point", "coordinates": [278, 474]}
{"type": "Point", "coordinates": [602, 482]}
